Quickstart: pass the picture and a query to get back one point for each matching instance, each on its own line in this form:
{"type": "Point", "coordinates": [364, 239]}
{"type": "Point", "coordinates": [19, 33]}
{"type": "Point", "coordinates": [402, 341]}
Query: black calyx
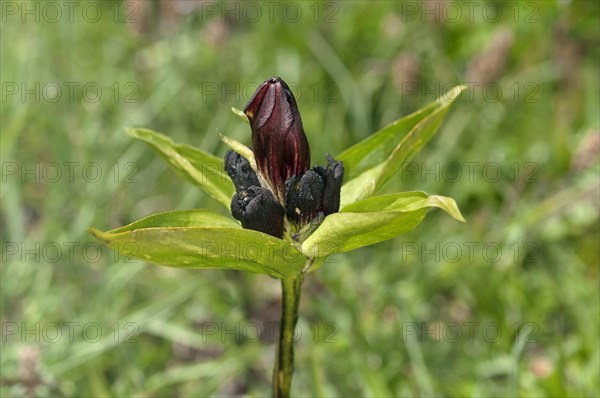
{"type": "Point", "coordinates": [316, 191]}
{"type": "Point", "coordinates": [257, 209]}
{"type": "Point", "coordinates": [303, 197]}
{"type": "Point", "coordinates": [308, 198]}
{"type": "Point", "coordinates": [333, 175]}
{"type": "Point", "coordinates": [240, 172]}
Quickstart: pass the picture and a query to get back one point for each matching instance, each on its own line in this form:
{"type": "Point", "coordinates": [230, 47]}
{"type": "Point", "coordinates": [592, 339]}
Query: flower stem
{"type": "Point", "coordinates": [284, 361]}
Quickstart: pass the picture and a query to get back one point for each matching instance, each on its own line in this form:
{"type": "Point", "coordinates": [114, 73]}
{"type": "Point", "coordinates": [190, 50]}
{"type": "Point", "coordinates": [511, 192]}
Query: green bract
{"type": "Point", "coordinates": [202, 239]}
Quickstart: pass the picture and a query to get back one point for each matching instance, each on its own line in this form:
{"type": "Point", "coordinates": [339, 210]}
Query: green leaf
{"type": "Point", "coordinates": [192, 164]}
{"type": "Point", "coordinates": [371, 163]}
{"type": "Point", "coordinates": [374, 220]}
{"type": "Point", "coordinates": [180, 218]}
{"type": "Point", "coordinates": [377, 147]}
{"type": "Point", "coordinates": [202, 239]}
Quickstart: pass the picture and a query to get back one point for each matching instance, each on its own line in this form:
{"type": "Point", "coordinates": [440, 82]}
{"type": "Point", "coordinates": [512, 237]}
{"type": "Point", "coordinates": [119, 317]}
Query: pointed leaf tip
{"type": "Point", "coordinates": [97, 234]}
{"type": "Point", "coordinates": [451, 95]}
{"type": "Point", "coordinates": [447, 204]}
{"type": "Point", "coordinates": [239, 113]}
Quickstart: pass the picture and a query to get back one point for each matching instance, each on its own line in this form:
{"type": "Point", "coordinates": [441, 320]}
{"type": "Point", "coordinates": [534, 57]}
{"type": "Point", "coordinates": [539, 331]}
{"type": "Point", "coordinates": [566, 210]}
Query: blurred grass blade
{"type": "Point", "coordinates": [82, 352]}
{"type": "Point", "coordinates": [202, 239]}
{"type": "Point", "coordinates": [374, 220]}
{"type": "Point", "coordinates": [372, 162]}
{"type": "Point", "coordinates": [209, 374]}
{"type": "Point", "coordinates": [192, 164]}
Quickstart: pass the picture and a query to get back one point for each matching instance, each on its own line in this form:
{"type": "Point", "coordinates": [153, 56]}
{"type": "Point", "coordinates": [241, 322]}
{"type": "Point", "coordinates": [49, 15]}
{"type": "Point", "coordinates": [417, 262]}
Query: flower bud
{"type": "Point", "coordinates": [280, 146]}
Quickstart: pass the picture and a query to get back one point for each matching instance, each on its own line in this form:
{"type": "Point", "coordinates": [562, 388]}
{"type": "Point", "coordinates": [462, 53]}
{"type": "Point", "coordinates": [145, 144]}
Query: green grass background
{"type": "Point", "coordinates": [357, 65]}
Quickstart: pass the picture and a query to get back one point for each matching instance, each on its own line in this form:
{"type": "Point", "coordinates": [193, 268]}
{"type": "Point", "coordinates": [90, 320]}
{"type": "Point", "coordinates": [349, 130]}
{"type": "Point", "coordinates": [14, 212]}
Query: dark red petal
{"type": "Point", "coordinates": [280, 146]}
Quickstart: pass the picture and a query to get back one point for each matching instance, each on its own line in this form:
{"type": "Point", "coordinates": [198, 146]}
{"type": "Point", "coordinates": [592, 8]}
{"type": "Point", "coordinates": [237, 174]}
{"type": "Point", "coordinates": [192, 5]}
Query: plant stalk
{"type": "Point", "coordinates": [284, 360]}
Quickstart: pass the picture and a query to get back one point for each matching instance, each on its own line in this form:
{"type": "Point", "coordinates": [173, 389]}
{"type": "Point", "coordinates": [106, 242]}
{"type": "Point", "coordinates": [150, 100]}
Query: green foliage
{"type": "Point", "coordinates": [374, 220]}
{"type": "Point", "coordinates": [196, 239]}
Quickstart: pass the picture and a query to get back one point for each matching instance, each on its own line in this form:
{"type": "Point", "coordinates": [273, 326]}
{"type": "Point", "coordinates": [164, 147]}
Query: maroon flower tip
{"type": "Point", "coordinates": [280, 146]}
